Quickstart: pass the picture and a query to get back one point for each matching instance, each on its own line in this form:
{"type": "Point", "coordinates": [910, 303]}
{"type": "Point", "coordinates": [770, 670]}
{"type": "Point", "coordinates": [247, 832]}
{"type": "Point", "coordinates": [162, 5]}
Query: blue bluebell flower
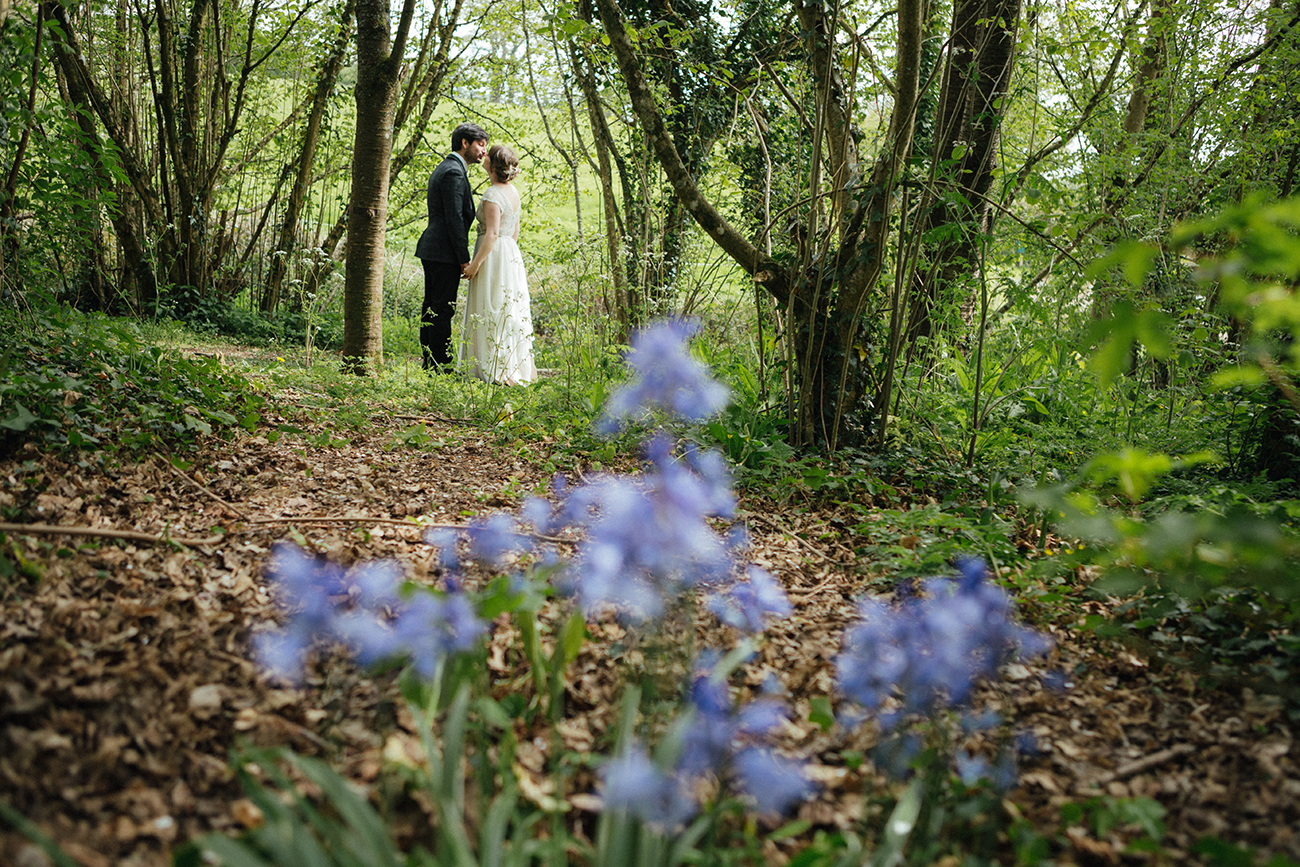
{"type": "Point", "coordinates": [379, 583]}
{"type": "Point", "coordinates": [773, 782]}
{"type": "Point", "coordinates": [874, 660]}
{"type": "Point", "coordinates": [718, 739]}
{"type": "Point", "coordinates": [494, 538]}
{"type": "Point", "coordinates": [646, 539]}
{"type": "Point", "coordinates": [445, 540]}
{"type": "Point", "coordinates": [1001, 774]}
{"type": "Point", "coordinates": [538, 514]}
{"type": "Point", "coordinates": [713, 741]}
{"type": "Point", "coordinates": [631, 782]}
{"type": "Point", "coordinates": [761, 717]}
{"type": "Point", "coordinates": [747, 605]}
{"type": "Point", "coordinates": [308, 586]}
{"type": "Point", "coordinates": [927, 652]}
{"type": "Point", "coordinates": [709, 728]}
{"type": "Point", "coordinates": [1026, 744]}
{"type": "Point", "coordinates": [979, 722]}
{"type": "Point", "coordinates": [972, 768]}
{"type": "Point", "coordinates": [431, 628]}
{"type": "Point", "coordinates": [665, 377]}
{"type": "Point", "coordinates": [376, 623]}
{"type": "Point", "coordinates": [281, 653]}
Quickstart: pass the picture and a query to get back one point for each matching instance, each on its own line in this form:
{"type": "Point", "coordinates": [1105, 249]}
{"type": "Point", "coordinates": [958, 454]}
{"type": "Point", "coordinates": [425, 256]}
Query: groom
{"type": "Point", "coordinates": [443, 249]}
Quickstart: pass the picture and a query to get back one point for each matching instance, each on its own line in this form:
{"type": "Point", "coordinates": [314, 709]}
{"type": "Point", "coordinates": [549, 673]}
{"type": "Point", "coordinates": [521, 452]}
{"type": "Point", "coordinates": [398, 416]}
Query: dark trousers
{"type": "Point", "coordinates": [441, 282]}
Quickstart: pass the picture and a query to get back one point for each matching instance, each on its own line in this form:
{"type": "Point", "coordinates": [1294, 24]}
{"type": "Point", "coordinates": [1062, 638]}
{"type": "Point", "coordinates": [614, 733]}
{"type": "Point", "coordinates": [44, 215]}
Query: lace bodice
{"type": "Point", "coordinates": [500, 197]}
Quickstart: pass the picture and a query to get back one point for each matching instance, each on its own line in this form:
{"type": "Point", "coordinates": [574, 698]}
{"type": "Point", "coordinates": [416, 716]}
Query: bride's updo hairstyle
{"type": "Point", "coordinates": [502, 162]}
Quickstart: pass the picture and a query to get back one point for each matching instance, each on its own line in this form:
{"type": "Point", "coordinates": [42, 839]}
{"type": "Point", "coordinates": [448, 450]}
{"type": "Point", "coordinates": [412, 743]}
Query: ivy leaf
{"type": "Point", "coordinates": [20, 419]}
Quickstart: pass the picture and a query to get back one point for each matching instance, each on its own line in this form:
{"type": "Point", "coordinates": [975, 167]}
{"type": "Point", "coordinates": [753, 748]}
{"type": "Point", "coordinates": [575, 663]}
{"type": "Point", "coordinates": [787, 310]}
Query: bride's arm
{"type": "Point", "coordinates": [491, 227]}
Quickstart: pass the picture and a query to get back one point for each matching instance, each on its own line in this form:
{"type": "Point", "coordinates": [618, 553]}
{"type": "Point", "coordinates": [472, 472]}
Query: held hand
{"type": "Point", "coordinates": [468, 271]}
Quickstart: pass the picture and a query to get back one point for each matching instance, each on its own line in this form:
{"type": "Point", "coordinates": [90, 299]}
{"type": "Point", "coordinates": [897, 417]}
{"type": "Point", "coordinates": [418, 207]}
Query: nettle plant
{"type": "Point", "coordinates": [645, 552]}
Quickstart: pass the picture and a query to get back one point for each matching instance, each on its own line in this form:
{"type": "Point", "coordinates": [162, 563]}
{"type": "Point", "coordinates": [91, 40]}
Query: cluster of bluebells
{"type": "Point", "coordinates": [714, 742]}
{"type": "Point", "coordinates": [364, 609]}
{"type": "Point", "coordinates": [665, 379]}
{"type": "Point", "coordinates": [645, 541]}
{"type": "Point", "coordinates": [926, 653]}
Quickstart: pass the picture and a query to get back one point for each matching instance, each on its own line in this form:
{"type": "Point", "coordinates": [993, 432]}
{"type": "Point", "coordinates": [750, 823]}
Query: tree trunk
{"type": "Point", "coordinates": [425, 89]}
{"type": "Point", "coordinates": [426, 93]}
{"type": "Point", "coordinates": [378, 66]}
{"type": "Point", "coordinates": [819, 38]}
{"type": "Point", "coordinates": [825, 306]}
{"type": "Point", "coordinates": [287, 241]}
{"type": "Point", "coordinates": [198, 110]}
{"type": "Point", "coordinates": [1154, 59]}
{"type": "Point", "coordinates": [972, 104]}
{"type": "Point", "coordinates": [10, 274]}
{"type": "Point", "coordinates": [86, 98]}
{"type": "Point", "coordinates": [602, 140]}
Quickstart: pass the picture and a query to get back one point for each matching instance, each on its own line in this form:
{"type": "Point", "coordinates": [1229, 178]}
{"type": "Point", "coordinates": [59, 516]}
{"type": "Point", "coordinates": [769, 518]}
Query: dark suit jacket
{"type": "Point", "coordinates": [451, 213]}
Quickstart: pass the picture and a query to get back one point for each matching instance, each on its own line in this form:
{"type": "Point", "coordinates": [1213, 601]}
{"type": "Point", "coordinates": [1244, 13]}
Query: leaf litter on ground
{"type": "Point", "coordinates": [126, 680]}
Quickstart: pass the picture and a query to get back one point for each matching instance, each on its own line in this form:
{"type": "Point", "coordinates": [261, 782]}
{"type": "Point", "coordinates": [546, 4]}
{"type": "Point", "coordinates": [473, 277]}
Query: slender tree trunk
{"type": "Point", "coordinates": [10, 274]}
{"type": "Point", "coordinates": [287, 240]}
{"type": "Point", "coordinates": [972, 103]}
{"type": "Point", "coordinates": [425, 90]}
{"type": "Point", "coordinates": [192, 200]}
{"type": "Point", "coordinates": [833, 95]}
{"type": "Point", "coordinates": [426, 94]}
{"type": "Point", "coordinates": [378, 66]}
{"type": "Point", "coordinates": [87, 99]}
{"type": "Point", "coordinates": [1154, 60]}
{"type": "Point", "coordinates": [603, 144]}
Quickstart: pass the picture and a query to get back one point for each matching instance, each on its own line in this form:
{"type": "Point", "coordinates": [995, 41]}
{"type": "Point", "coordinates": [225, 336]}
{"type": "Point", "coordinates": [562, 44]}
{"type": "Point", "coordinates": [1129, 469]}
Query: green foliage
{"type": "Point", "coordinates": [1218, 853]}
{"type": "Point", "coordinates": [28, 829]}
{"type": "Point", "coordinates": [74, 383]}
{"type": "Point", "coordinates": [1209, 570]}
{"type": "Point", "coordinates": [1102, 816]}
{"type": "Point", "coordinates": [235, 319]}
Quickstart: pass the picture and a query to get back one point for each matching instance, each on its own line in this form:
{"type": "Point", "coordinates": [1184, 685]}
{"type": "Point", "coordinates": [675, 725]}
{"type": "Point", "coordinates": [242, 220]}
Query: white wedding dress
{"type": "Point", "coordinates": [497, 342]}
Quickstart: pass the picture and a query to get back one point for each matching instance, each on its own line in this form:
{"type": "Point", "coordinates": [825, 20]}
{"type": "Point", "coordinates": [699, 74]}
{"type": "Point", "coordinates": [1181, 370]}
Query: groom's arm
{"type": "Point", "coordinates": [452, 192]}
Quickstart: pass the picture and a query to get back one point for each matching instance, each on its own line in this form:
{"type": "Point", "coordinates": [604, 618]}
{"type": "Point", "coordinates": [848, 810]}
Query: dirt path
{"type": "Point", "coordinates": [125, 676]}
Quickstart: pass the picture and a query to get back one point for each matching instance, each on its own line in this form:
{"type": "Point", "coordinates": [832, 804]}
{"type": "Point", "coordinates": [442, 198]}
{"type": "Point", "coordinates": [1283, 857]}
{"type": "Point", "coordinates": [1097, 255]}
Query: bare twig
{"type": "Point", "coordinates": [1146, 763]}
{"type": "Point", "coordinates": [813, 549]}
{"type": "Point", "coordinates": [358, 519]}
{"type": "Point", "coordinates": [132, 535]}
{"type": "Point", "coordinates": [229, 508]}
{"type": "Point", "coordinates": [425, 418]}
{"type": "Point", "coordinates": [400, 521]}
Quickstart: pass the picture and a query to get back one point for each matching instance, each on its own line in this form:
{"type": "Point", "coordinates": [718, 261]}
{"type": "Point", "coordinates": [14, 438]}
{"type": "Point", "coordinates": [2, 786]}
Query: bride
{"type": "Point", "coordinates": [498, 336]}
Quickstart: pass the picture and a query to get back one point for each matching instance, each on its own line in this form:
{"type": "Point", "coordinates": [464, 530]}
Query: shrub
{"type": "Point", "coordinates": [88, 383]}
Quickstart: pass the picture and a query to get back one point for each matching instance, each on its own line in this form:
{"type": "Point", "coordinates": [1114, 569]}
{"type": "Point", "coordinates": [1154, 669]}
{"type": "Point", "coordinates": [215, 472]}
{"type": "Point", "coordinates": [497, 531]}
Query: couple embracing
{"type": "Point", "coordinates": [497, 339]}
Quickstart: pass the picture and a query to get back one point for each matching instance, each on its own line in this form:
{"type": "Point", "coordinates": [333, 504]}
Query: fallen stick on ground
{"type": "Point", "coordinates": [230, 508]}
{"type": "Point", "coordinates": [132, 535]}
{"type": "Point", "coordinates": [1146, 763]}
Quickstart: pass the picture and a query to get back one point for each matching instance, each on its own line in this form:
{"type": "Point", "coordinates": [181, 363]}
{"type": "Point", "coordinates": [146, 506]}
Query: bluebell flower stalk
{"type": "Point", "coordinates": [714, 741]}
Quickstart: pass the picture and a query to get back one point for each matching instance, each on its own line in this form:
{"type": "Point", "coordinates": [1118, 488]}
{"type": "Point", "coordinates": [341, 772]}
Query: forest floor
{"type": "Point", "coordinates": [126, 680]}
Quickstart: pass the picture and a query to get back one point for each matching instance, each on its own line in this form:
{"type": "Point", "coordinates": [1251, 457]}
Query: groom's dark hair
{"type": "Point", "coordinates": [467, 132]}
